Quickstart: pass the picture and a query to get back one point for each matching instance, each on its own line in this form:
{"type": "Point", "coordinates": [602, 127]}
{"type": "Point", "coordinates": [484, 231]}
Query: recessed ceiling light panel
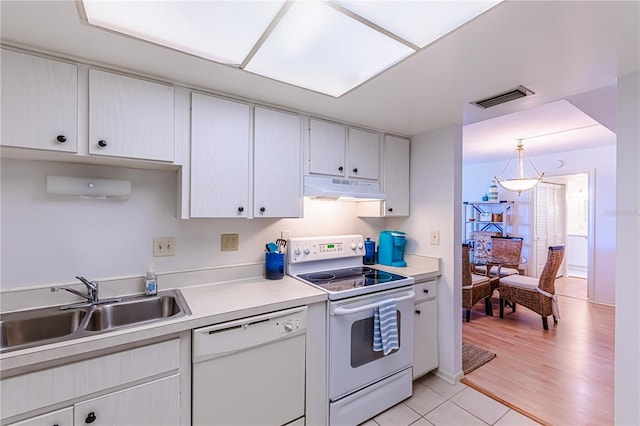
{"type": "Point", "coordinates": [319, 48]}
{"type": "Point", "coordinates": [419, 22]}
{"type": "Point", "coordinates": [222, 31]}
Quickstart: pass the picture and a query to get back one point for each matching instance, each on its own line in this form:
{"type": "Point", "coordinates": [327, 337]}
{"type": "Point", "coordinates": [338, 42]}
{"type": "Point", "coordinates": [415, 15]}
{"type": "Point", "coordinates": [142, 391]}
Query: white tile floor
{"type": "Point", "coordinates": [437, 402]}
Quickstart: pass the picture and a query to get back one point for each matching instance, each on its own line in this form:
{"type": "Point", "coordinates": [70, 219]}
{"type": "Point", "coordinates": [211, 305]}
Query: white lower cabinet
{"type": "Point", "coordinates": [62, 417]}
{"type": "Point", "coordinates": [425, 328]}
{"type": "Point", "coordinates": [135, 386]}
{"type": "Point", "coordinates": [154, 403]}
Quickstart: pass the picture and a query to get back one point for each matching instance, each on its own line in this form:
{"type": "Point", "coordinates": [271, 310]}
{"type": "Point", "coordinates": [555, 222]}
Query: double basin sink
{"type": "Point", "coordinates": [24, 329]}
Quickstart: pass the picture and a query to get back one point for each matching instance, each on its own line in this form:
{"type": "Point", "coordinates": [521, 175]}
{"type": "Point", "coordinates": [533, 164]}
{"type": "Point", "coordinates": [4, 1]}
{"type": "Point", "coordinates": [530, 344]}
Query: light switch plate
{"type": "Point", "coordinates": [164, 246]}
{"type": "Point", "coordinates": [229, 242]}
{"type": "Point", "coordinates": [435, 238]}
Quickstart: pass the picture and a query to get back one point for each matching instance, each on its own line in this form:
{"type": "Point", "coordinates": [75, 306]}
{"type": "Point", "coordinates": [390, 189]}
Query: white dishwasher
{"type": "Point", "coordinates": [250, 371]}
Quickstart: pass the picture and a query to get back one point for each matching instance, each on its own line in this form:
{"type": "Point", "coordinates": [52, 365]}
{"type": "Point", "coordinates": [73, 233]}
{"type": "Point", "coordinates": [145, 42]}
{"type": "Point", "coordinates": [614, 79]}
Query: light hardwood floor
{"type": "Point", "coordinates": [560, 377]}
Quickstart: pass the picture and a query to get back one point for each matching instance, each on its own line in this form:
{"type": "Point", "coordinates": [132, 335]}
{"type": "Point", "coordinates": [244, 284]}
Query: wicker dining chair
{"type": "Point", "coordinates": [537, 294]}
{"type": "Point", "coordinates": [509, 251]}
{"type": "Point", "coordinates": [474, 287]}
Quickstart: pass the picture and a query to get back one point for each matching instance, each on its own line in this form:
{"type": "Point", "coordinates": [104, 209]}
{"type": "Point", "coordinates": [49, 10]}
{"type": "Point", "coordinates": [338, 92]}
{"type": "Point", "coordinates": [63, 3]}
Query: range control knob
{"type": "Point", "coordinates": [288, 326]}
{"type": "Point", "coordinates": [353, 246]}
{"type": "Point", "coordinates": [307, 250]}
{"type": "Point", "coordinates": [297, 250]}
{"type": "Point", "coordinates": [360, 245]}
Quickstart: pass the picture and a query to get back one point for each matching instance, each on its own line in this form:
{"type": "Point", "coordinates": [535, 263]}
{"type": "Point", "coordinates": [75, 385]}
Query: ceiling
{"type": "Point", "coordinates": [560, 50]}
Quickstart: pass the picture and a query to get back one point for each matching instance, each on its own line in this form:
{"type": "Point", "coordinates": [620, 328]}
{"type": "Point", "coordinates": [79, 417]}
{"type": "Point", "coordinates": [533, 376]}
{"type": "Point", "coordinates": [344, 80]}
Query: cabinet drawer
{"type": "Point", "coordinates": [425, 290]}
{"type": "Point", "coordinates": [62, 417]}
{"type": "Point", "coordinates": [66, 382]}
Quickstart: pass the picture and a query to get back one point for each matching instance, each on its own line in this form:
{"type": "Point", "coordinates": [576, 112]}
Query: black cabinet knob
{"type": "Point", "coordinates": [61, 138]}
{"type": "Point", "coordinates": [390, 209]}
{"type": "Point", "coordinates": [91, 417]}
{"type": "Point", "coordinates": [102, 143]}
{"type": "Point", "coordinates": [418, 311]}
{"type": "Point", "coordinates": [355, 170]}
{"type": "Point", "coordinates": [426, 290]}
{"type": "Point", "coordinates": [340, 168]}
{"type": "Point", "coordinates": [240, 209]}
{"type": "Point", "coordinates": [262, 209]}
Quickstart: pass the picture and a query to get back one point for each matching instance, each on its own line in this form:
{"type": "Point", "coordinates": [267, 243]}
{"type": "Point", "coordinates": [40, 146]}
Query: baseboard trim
{"type": "Point", "coordinates": [447, 377]}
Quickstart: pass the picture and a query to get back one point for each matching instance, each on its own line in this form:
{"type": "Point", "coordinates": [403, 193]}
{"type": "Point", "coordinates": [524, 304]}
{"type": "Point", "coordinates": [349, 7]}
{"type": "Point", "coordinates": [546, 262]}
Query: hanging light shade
{"type": "Point", "coordinates": [519, 183]}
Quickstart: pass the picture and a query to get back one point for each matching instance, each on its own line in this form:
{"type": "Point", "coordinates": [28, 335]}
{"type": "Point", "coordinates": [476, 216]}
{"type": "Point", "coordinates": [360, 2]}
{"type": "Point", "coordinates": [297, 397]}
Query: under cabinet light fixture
{"type": "Point", "coordinates": [88, 187]}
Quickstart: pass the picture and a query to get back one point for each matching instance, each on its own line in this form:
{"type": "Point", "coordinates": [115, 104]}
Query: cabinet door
{"type": "Point", "coordinates": [327, 144]}
{"type": "Point", "coordinates": [364, 154]}
{"type": "Point", "coordinates": [425, 340]}
{"type": "Point", "coordinates": [39, 102]}
{"type": "Point", "coordinates": [62, 417]}
{"type": "Point", "coordinates": [130, 118]}
{"type": "Point", "coordinates": [153, 403]}
{"type": "Point", "coordinates": [396, 176]}
{"type": "Point", "coordinates": [219, 157]}
{"type": "Point", "coordinates": [277, 164]}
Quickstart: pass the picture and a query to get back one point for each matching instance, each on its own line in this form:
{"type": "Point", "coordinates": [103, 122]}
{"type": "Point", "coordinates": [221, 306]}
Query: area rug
{"type": "Point", "coordinates": [474, 357]}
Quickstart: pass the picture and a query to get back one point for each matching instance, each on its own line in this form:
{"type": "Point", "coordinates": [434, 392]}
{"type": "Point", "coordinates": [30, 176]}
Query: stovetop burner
{"type": "Point", "coordinates": [349, 278]}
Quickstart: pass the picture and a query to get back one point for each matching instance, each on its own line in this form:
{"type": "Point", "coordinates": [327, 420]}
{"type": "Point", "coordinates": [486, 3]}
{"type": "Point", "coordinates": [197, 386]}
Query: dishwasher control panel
{"type": "Point", "coordinates": [225, 338]}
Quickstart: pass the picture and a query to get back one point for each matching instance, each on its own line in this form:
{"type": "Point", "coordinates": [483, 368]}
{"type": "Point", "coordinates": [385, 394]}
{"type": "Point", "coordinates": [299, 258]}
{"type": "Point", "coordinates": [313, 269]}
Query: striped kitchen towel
{"type": "Point", "coordinates": [385, 327]}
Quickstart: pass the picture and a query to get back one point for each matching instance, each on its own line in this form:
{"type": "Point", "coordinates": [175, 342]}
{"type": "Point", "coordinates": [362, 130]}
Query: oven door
{"type": "Point", "coordinates": [353, 364]}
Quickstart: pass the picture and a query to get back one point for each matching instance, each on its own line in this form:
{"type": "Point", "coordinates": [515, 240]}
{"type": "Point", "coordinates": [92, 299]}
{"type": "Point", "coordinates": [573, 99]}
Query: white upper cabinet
{"type": "Point", "coordinates": [39, 102]}
{"type": "Point", "coordinates": [336, 150]}
{"type": "Point", "coordinates": [277, 164]}
{"type": "Point", "coordinates": [395, 182]}
{"type": "Point", "coordinates": [130, 118]}
{"type": "Point", "coordinates": [327, 148]}
{"type": "Point", "coordinates": [364, 154]}
{"type": "Point", "coordinates": [220, 132]}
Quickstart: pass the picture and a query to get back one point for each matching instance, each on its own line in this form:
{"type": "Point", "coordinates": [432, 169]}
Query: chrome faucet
{"type": "Point", "coordinates": [92, 290]}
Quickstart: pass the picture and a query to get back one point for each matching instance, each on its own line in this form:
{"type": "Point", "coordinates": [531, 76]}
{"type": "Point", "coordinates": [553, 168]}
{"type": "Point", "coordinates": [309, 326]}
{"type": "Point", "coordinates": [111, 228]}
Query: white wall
{"type": "Point", "coordinates": [435, 206]}
{"type": "Point", "coordinates": [627, 350]}
{"type": "Point", "coordinates": [602, 161]}
{"type": "Point", "coordinates": [51, 239]}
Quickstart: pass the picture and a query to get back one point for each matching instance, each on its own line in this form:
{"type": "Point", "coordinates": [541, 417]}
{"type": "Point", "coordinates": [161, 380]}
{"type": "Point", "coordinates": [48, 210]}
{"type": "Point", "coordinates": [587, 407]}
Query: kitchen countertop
{"type": "Point", "coordinates": [421, 268]}
{"type": "Point", "coordinates": [210, 304]}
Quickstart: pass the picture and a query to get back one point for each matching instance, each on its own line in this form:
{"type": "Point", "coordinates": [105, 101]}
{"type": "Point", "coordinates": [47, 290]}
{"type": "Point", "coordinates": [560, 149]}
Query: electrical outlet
{"type": "Point", "coordinates": [435, 238]}
{"type": "Point", "coordinates": [285, 235]}
{"type": "Point", "coordinates": [164, 246]}
{"type": "Point", "coordinates": [229, 242]}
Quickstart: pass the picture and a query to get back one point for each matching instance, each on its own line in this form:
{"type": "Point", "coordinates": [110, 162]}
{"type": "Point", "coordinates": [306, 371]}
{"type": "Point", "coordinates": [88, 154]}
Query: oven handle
{"type": "Point", "coordinates": [349, 311]}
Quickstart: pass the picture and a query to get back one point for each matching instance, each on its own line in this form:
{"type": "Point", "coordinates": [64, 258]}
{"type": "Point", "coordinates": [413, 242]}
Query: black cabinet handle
{"type": "Point", "coordinates": [240, 209]}
{"type": "Point", "coordinates": [61, 138]}
{"type": "Point", "coordinates": [355, 170]}
{"type": "Point", "coordinates": [418, 311]}
{"type": "Point", "coordinates": [262, 209]}
{"type": "Point", "coordinates": [390, 209]}
{"type": "Point", "coordinates": [91, 417]}
{"type": "Point", "coordinates": [340, 168]}
{"type": "Point", "coordinates": [426, 290]}
{"type": "Point", "coordinates": [102, 143]}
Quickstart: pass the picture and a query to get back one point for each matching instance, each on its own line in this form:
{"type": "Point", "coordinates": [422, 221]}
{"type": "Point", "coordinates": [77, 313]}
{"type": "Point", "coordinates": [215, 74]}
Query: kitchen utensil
{"type": "Point", "coordinates": [282, 244]}
{"type": "Point", "coordinates": [272, 247]}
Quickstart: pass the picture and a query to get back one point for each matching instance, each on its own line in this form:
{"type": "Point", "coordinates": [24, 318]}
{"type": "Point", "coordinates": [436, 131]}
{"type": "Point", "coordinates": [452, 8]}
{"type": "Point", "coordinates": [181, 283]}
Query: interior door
{"type": "Point", "coordinates": [550, 218]}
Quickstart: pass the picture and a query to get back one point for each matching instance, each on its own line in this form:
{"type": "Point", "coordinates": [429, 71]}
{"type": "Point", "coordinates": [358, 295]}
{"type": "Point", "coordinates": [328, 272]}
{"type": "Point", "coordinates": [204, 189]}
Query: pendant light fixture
{"type": "Point", "coordinates": [519, 183]}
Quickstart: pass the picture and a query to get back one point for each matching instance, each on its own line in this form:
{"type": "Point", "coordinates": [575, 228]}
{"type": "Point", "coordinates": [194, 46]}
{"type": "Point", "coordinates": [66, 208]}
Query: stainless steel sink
{"type": "Point", "coordinates": [130, 312]}
{"type": "Point", "coordinates": [27, 327]}
{"type": "Point", "coordinates": [24, 329]}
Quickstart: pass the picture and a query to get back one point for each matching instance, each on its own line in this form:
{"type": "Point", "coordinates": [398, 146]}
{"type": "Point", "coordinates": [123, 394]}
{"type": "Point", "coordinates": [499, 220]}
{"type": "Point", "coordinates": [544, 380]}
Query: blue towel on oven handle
{"type": "Point", "coordinates": [385, 327]}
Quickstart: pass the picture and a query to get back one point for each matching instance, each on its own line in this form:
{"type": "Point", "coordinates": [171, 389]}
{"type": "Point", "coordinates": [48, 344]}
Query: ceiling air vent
{"type": "Point", "coordinates": [516, 93]}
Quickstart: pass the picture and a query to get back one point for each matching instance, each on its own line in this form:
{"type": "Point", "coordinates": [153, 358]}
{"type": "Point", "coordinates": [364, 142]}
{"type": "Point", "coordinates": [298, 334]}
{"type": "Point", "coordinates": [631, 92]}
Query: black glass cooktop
{"type": "Point", "coordinates": [349, 278]}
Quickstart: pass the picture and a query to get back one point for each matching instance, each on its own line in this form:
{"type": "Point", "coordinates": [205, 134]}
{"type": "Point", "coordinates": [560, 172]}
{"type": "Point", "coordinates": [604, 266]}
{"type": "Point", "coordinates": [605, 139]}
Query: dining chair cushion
{"type": "Point", "coordinates": [520, 281]}
{"type": "Point", "coordinates": [478, 279]}
{"type": "Point", "coordinates": [480, 269]}
{"type": "Point", "coordinates": [503, 271]}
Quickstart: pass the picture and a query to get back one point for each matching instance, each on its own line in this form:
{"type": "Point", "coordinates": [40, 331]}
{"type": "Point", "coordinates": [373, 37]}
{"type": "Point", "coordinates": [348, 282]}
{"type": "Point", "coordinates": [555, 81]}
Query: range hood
{"type": "Point", "coordinates": [341, 189]}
